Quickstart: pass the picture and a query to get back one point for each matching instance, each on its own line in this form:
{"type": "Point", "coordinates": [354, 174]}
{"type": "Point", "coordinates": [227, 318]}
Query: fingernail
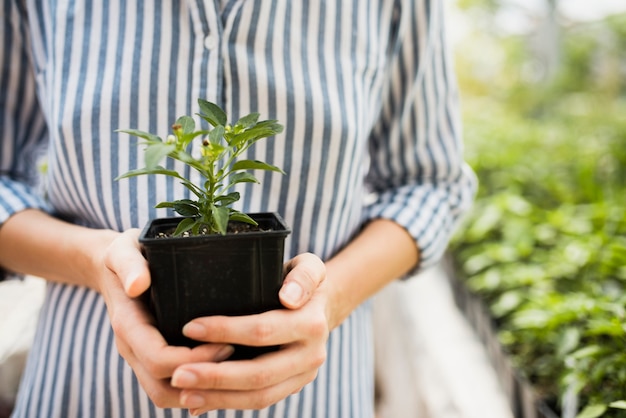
{"type": "Point", "coordinates": [224, 353]}
{"type": "Point", "coordinates": [132, 284]}
{"type": "Point", "coordinates": [192, 401]}
{"type": "Point", "coordinates": [184, 378]}
{"type": "Point", "coordinates": [291, 293]}
{"type": "Point", "coordinates": [194, 330]}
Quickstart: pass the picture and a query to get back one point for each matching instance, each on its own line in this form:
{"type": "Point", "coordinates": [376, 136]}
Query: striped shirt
{"type": "Point", "coordinates": [366, 92]}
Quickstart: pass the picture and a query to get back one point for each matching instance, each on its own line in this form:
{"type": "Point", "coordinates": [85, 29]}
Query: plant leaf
{"type": "Point", "coordinates": [150, 170]}
{"type": "Point", "coordinates": [592, 411]}
{"type": "Point", "coordinates": [242, 217]}
{"type": "Point", "coordinates": [163, 205]}
{"type": "Point", "coordinates": [212, 113]}
{"type": "Point", "coordinates": [242, 178]}
{"type": "Point", "coordinates": [618, 404]}
{"type": "Point", "coordinates": [185, 225]}
{"type": "Point", "coordinates": [187, 138]}
{"type": "Point", "coordinates": [187, 123]}
{"type": "Point", "coordinates": [186, 207]}
{"type": "Point", "coordinates": [156, 152]}
{"type": "Point", "coordinates": [228, 199]}
{"type": "Point", "coordinates": [252, 135]}
{"type": "Point", "coordinates": [220, 218]}
{"type": "Point", "coordinates": [216, 135]}
{"type": "Point", "coordinates": [255, 165]}
{"type": "Point", "coordinates": [141, 134]}
{"type": "Point", "coordinates": [248, 120]}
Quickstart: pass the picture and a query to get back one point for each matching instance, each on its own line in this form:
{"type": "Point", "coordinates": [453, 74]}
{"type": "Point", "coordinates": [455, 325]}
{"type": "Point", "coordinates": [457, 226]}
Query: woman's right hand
{"type": "Point", "coordinates": [123, 277]}
{"type": "Point", "coordinates": [110, 262]}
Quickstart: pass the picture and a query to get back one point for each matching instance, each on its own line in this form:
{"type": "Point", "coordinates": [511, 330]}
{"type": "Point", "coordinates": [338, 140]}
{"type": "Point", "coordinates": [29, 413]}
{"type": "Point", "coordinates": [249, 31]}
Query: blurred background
{"type": "Point", "coordinates": [543, 87]}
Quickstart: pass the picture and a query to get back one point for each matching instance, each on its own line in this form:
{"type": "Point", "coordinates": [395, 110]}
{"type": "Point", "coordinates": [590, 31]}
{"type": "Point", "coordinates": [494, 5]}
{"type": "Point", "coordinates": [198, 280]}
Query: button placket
{"type": "Point", "coordinates": [210, 41]}
{"type": "Point", "coordinates": [213, 27]}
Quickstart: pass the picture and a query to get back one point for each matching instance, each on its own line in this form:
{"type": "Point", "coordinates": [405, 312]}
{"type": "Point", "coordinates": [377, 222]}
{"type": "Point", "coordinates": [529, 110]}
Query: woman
{"type": "Point", "coordinates": [375, 185]}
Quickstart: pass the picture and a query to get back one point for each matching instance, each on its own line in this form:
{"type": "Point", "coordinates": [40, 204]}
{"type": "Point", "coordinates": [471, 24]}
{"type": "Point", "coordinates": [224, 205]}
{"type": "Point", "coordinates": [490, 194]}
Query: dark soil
{"type": "Point", "coordinates": [233, 228]}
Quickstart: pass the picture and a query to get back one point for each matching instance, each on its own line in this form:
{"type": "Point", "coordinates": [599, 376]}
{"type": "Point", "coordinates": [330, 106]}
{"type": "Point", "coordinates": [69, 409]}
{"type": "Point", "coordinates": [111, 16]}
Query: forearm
{"type": "Point", "coordinates": [381, 253]}
{"type": "Point", "coordinates": [33, 242]}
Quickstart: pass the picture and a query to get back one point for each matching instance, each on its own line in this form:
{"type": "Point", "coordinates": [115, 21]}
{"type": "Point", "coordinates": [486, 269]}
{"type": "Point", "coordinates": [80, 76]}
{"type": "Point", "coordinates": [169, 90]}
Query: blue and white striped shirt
{"type": "Point", "coordinates": [366, 92]}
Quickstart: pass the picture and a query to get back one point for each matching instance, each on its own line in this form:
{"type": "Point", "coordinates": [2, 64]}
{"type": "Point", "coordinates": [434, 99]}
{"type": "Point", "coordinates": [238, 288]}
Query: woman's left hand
{"type": "Point", "coordinates": [301, 330]}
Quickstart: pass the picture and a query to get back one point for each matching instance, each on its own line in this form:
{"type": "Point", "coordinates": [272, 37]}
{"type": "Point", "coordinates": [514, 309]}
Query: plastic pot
{"type": "Point", "coordinates": [232, 274]}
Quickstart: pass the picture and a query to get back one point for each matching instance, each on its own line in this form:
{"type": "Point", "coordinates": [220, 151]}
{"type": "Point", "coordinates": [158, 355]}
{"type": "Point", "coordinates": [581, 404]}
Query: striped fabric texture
{"type": "Point", "coordinates": [365, 89]}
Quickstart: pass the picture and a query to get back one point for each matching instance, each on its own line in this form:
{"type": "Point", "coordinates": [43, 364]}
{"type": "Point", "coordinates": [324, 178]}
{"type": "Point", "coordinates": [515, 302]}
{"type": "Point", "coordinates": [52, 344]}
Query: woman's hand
{"type": "Point", "coordinates": [301, 331]}
{"type": "Point", "coordinates": [124, 276]}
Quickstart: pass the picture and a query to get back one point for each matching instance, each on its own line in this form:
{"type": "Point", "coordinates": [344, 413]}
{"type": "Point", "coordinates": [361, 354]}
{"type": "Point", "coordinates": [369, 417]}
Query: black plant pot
{"type": "Point", "coordinates": [232, 274]}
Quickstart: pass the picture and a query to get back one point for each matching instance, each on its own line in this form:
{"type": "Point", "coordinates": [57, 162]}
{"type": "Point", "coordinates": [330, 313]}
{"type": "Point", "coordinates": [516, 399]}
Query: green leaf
{"type": "Point", "coordinates": [216, 135]}
{"type": "Point", "coordinates": [187, 123]}
{"type": "Point", "coordinates": [255, 165]}
{"type": "Point", "coordinates": [246, 138]}
{"type": "Point", "coordinates": [270, 125]}
{"type": "Point", "coordinates": [141, 134]}
{"type": "Point", "coordinates": [248, 120]}
{"type": "Point", "coordinates": [569, 340]}
{"type": "Point", "coordinates": [187, 138]}
{"type": "Point", "coordinates": [618, 404]}
{"type": "Point", "coordinates": [220, 218]}
{"type": "Point", "coordinates": [588, 351]}
{"type": "Point", "coordinates": [150, 170]}
{"type": "Point", "coordinates": [184, 226]}
{"type": "Point", "coordinates": [187, 207]}
{"type": "Point", "coordinates": [531, 319]}
{"type": "Point", "coordinates": [212, 113]}
{"type": "Point", "coordinates": [592, 411]}
{"type": "Point", "coordinates": [156, 152]}
{"type": "Point", "coordinates": [228, 199]}
{"type": "Point", "coordinates": [242, 178]}
{"type": "Point", "coordinates": [164, 205]}
{"type": "Point", "coordinates": [242, 217]}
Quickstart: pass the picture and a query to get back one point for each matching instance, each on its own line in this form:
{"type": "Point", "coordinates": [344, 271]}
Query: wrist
{"type": "Point", "coordinates": [89, 248]}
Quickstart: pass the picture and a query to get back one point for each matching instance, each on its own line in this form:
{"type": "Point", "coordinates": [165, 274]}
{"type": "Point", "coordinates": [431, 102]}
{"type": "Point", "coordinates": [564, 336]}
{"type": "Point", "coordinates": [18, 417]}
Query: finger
{"type": "Point", "coordinates": [125, 259]}
{"type": "Point", "coordinates": [305, 272]}
{"type": "Point", "coordinates": [203, 401]}
{"type": "Point", "coordinates": [261, 373]}
{"type": "Point", "coordinates": [277, 327]}
{"type": "Point", "coordinates": [138, 339]}
{"type": "Point", "coordinates": [162, 394]}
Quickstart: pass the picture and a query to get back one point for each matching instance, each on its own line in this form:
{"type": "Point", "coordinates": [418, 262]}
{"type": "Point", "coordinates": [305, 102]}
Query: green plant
{"type": "Point", "coordinates": [218, 164]}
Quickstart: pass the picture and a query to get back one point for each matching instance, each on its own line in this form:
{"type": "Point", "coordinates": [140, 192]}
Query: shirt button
{"type": "Point", "coordinates": [210, 42]}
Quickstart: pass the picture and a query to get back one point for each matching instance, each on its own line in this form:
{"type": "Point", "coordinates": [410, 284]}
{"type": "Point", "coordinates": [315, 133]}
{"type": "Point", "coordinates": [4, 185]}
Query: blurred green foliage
{"type": "Point", "coordinates": [545, 244]}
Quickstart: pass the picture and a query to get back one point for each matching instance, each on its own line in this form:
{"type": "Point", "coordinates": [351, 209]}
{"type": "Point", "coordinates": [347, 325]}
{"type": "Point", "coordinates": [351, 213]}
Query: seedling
{"type": "Point", "coordinates": [218, 164]}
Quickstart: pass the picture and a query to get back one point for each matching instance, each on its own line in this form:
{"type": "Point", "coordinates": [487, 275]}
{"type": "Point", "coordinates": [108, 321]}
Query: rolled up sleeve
{"type": "Point", "coordinates": [417, 173]}
{"type": "Point", "coordinates": [23, 131]}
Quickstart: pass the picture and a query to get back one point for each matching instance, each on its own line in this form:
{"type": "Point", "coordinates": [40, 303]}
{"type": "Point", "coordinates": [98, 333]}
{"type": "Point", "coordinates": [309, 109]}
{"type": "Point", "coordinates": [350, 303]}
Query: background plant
{"type": "Point", "coordinates": [217, 162]}
{"type": "Point", "coordinates": [545, 245]}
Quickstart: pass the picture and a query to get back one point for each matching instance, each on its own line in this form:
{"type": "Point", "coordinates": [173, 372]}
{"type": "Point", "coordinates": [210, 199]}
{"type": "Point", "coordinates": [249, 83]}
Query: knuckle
{"type": "Point", "coordinates": [310, 377]}
{"type": "Point", "coordinates": [215, 380]}
{"type": "Point", "coordinates": [318, 328]}
{"type": "Point", "coordinates": [318, 358]}
{"type": "Point", "coordinates": [262, 333]}
{"type": "Point", "coordinates": [263, 400]}
{"type": "Point", "coordinates": [261, 378]}
{"type": "Point", "coordinates": [159, 396]}
{"type": "Point", "coordinates": [153, 367]}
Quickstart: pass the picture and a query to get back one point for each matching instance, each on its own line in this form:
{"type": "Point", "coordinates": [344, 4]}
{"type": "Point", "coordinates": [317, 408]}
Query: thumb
{"type": "Point", "coordinates": [304, 273]}
{"type": "Point", "coordinates": [124, 258]}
